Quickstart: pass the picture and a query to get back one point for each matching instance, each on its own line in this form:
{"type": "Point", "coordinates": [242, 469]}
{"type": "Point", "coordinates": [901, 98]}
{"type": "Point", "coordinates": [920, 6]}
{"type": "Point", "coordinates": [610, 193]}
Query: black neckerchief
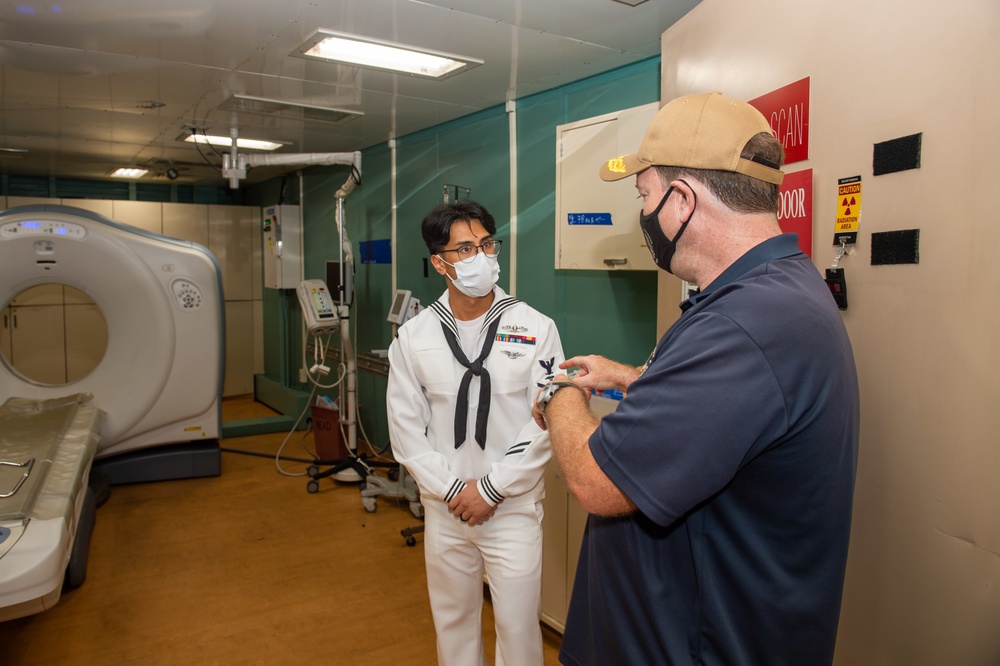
{"type": "Point", "coordinates": [473, 369]}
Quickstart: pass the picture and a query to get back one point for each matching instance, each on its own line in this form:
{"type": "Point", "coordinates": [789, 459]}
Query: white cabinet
{"type": "Point", "coordinates": [102, 207]}
{"type": "Point", "coordinates": [5, 321]}
{"type": "Point", "coordinates": [146, 215]}
{"type": "Point", "coordinates": [53, 334]}
{"type": "Point", "coordinates": [38, 342]}
{"type": "Point", "coordinates": [597, 223]}
{"type": "Point", "coordinates": [33, 334]}
{"type": "Point", "coordinates": [185, 221]}
{"type": "Point", "coordinates": [562, 526]}
{"type": "Point", "coordinates": [86, 334]}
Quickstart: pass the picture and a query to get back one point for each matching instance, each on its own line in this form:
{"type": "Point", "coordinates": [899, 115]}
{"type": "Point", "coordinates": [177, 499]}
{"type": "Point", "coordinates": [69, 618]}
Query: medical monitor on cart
{"type": "Point", "coordinates": [400, 306]}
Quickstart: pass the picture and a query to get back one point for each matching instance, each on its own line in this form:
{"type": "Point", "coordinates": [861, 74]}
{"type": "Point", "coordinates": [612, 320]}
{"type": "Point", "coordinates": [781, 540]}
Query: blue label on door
{"type": "Point", "coordinates": [589, 219]}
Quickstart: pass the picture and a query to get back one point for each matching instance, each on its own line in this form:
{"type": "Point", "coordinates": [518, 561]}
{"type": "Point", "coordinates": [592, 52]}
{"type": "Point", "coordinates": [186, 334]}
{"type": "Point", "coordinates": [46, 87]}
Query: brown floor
{"type": "Point", "coordinates": [244, 568]}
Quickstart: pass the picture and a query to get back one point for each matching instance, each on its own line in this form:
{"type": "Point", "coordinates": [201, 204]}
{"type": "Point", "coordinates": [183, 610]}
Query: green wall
{"type": "Point", "coordinates": [603, 312]}
{"type": "Point", "coordinates": [472, 152]}
{"type": "Point", "coordinates": [612, 313]}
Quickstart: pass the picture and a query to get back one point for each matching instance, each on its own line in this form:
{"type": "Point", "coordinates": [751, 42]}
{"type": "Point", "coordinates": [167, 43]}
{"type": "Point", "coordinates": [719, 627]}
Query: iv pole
{"type": "Point", "coordinates": [347, 349]}
{"type": "Point", "coordinates": [234, 167]}
{"type": "Point", "coordinates": [353, 469]}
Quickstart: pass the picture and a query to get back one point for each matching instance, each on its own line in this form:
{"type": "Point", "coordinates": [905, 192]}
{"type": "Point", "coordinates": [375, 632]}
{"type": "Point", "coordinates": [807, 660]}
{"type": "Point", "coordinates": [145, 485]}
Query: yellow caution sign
{"type": "Point", "coordinates": [848, 210]}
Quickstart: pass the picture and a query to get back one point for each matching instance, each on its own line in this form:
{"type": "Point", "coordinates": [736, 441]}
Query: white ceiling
{"type": "Point", "coordinates": [90, 85]}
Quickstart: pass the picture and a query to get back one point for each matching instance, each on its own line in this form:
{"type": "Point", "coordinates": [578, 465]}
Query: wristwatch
{"type": "Point", "coordinates": [549, 390]}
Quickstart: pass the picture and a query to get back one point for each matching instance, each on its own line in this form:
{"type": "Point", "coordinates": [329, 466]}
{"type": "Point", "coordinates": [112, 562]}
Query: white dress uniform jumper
{"type": "Point", "coordinates": [443, 444]}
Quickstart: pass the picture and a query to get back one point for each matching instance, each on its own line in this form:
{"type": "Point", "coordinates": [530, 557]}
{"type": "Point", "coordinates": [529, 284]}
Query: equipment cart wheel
{"type": "Point", "coordinates": [313, 486]}
{"type": "Point", "coordinates": [369, 504]}
{"type": "Point", "coordinates": [408, 533]}
{"type": "Point", "coordinates": [313, 470]}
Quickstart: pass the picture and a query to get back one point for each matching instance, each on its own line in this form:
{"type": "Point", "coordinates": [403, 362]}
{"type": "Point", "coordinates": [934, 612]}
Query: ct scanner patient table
{"type": "Point", "coordinates": [46, 449]}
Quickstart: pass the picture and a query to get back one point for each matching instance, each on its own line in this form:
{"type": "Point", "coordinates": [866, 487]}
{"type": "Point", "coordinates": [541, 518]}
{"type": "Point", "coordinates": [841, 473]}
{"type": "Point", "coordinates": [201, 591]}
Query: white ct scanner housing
{"type": "Point", "coordinates": [160, 380]}
{"type": "Point", "coordinates": [154, 397]}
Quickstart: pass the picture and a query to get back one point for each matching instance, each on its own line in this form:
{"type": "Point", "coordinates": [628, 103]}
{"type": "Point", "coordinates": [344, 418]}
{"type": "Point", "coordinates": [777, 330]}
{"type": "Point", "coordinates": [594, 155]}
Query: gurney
{"type": "Point", "coordinates": [46, 507]}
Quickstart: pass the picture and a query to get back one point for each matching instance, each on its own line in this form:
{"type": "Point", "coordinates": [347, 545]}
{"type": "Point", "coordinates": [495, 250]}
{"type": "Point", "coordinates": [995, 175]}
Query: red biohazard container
{"type": "Point", "coordinates": [326, 429]}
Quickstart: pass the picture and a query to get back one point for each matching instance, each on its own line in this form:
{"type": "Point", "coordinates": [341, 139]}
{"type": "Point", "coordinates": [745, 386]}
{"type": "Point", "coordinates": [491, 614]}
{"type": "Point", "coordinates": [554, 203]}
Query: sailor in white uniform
{"type": "Point", "coordinates": [463, 375]}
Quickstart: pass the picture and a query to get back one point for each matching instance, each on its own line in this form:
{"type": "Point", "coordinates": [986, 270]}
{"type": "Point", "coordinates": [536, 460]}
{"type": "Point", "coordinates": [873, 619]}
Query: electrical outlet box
{"type": "Point", "coordinates": [838, 286]}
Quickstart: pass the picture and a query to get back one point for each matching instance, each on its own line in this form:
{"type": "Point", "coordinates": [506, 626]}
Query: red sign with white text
{"type": "Point", "coordinates": [787, 112]}
{"type": "Point", "coordinates": [795, 214]}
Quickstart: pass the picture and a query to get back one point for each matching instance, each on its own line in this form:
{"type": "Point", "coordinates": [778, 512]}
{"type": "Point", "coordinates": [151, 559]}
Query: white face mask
{"type": "Point", "coordinates": [475, 278]}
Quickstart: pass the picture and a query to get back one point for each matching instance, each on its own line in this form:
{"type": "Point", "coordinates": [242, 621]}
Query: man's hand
{"type": "Point", "coordinates": [470, 507]}
{"type": "Point", "coordinates": [599, 373]}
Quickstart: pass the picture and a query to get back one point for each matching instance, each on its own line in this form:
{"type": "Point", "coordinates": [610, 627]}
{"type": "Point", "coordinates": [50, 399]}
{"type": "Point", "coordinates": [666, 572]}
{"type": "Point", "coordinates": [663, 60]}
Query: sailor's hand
{"type": "Point", "coordinates": [536, 411]}
{"type": "Point", "coordinates": [470, 507]}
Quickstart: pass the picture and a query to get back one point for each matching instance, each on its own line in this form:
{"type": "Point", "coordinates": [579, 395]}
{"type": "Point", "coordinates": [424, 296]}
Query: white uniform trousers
{"type": "Point", "coordinates": [509, 546]}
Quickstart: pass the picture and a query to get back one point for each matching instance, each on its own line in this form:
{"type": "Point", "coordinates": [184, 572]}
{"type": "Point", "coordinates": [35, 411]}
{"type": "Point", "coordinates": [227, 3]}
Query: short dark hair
{"type": "Point", "coordinates": [436, 227]}
{"type": "Point", "coordinates": [740, 193]}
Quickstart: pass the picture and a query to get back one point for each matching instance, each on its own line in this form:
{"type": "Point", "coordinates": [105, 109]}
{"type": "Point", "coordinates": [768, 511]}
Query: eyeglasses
{"type": "Point", "coordinates": [469, 252]}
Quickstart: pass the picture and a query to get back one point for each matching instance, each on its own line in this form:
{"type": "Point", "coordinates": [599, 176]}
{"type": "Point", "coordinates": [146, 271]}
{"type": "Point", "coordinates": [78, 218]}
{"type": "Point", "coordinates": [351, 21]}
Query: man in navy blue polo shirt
{"type": "Point", "coordinates": [720, 491]}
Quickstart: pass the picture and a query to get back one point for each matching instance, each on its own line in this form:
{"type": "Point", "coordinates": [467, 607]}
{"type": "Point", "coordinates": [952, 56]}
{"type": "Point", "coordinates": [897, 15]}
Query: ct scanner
{"type": "Point", "coordinates": [149, 410]}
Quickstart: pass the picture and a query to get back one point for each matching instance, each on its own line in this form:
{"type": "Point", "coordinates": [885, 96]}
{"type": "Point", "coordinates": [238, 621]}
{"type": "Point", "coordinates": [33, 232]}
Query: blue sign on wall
{"type": "Point", "coordinates": [375, 252]}
{"type": "Point", "coordinates": [603, 219]}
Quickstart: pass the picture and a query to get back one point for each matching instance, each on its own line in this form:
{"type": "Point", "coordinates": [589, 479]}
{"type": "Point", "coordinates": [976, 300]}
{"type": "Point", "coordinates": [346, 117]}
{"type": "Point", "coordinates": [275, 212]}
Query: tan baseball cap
{"type": "Point", "coordinates": [706, 131]}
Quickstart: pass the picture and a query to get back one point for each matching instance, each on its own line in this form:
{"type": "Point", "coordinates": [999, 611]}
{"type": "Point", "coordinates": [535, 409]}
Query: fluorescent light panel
{"type": "Point", "coordinates": [387, 56]}
{"type": "Point", "coordinates": [227, 142]}
{"type": "Point", "coordinates": [129, 172]}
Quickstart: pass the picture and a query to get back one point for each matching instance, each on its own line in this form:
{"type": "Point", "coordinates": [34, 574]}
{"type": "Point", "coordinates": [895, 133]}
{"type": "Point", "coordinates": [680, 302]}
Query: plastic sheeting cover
{"type": "Point", "coordinates": [61, 434]}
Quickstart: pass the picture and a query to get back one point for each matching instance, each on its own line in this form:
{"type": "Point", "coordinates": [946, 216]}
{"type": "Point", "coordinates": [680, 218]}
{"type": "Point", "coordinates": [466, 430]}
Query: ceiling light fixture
{"type": "Point", "coordinates": [128, 172]}
{"type": "Point", "coordinates": [227, 142]}
{"type": "Point", "coordinates": [387, 56]}
{"type": "Point", "coordinates": [266, 106]}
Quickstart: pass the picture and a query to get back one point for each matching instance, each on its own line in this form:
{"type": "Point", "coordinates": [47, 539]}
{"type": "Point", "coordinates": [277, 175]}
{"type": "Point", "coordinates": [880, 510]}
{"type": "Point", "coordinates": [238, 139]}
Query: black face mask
{"type": "Point", "coordinates": [661, 247]}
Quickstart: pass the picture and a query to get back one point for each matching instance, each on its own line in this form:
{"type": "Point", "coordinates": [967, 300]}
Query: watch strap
{"type": "Point", "coordinates": [550, 389]}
